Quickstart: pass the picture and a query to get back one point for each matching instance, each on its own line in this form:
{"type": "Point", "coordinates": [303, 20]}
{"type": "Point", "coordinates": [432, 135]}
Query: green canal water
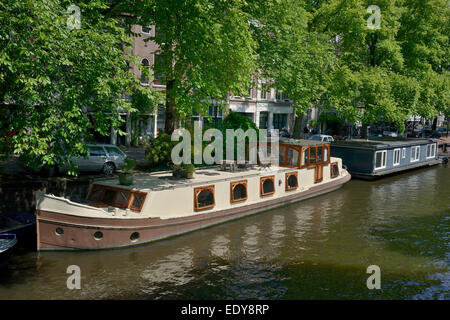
{"type": "Point", "coordinates": [316, 249]}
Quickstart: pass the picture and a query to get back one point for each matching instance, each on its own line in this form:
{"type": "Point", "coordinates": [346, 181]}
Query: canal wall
{"type": "Point", "coordinates": [17, 194]}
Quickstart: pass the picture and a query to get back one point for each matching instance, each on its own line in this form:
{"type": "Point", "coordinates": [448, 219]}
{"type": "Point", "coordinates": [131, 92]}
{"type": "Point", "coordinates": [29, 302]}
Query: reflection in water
{"type": "Point", "coordinates": [315, 249]}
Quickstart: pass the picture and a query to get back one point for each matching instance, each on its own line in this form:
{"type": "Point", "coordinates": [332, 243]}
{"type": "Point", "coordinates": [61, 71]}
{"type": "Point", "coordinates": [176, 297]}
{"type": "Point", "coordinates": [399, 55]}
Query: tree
{"type": "Point", "coordinates": [205, 50]}
{"type": "Point", "coordinates": [295, 58]}
{"type": "Point", "coordinates": [53, 76]}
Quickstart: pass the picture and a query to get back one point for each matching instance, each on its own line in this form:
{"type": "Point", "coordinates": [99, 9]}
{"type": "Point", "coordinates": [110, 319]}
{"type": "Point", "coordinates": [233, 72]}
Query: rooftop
{"type": "Point", "coordinates": [380, 143]}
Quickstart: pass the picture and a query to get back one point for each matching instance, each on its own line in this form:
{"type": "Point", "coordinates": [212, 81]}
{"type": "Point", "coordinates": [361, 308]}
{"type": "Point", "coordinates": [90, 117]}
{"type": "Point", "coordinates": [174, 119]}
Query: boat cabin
{"type": "Point", "coordinates": [374, 158]}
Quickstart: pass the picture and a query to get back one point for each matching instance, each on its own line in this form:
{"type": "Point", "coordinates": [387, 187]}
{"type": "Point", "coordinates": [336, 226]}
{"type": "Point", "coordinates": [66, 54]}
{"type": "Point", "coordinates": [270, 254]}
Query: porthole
{"type": "Point", "coordinates": [291, 181]}
{"type": "Point", "coordinates": [134, 236]}
{"type": "Point", "coordinates": [267, 186]}
{"type": "Point", "coordinates": [238, 191]}
{"type": "Point", "coordinates": [98, 235]}
{"type": "Point", "coordinates": [59, 231]}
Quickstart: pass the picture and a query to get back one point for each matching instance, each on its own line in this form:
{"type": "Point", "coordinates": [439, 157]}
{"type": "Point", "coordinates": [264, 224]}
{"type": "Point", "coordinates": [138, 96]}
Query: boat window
{"type": "Point", "coordinates": [396, 157]}
{"type": "Point", "coordinates": [319, 154]}
{"type": "Point", "coordinates": [415, 153]}
{"type": "Point", "coordinates": [380, 159]}
{"type": "Point", "coordinates": [431, 150]}
{"type": "Point", "coordinates": [104, 195]}
{"type": "Point", "coordinates": [204, 198]}
{"type": "Point", "coordinates": [282, 153]}
{"type": "Point", "coordinates": [325, 154]}
{"type": "Point", "coordinates": [138, 201]}
{"type": "Point", "coordinates": [267, 186]}
{"type": "Point", "coordinates": [305, 157]}
{"type": "Point", "coordinates": [312, 155]}
{"type": "Point", "coordinates": [334, 170]}
{"type": "Point", "coordinates": [291, 181]}
{"type": "Point", "coordinates": [108, 196]}
{"type": "Point", "coordinates": [292, 157]}
{"type": "Point", "coordinates": [238, 191]}
{"type": "Point", "coordinates": [96, 194]}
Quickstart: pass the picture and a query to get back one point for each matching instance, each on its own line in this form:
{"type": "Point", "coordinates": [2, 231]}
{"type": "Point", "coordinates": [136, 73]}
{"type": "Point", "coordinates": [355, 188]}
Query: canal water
{"type": "Point", "coordinates": [316, 249]}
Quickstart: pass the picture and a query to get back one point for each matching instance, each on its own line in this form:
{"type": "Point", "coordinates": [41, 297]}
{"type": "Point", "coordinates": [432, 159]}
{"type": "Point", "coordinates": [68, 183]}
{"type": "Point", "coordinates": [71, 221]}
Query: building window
{"type": "Point", "coordinates": [238, 191]}
{"type": "Point", "coordinates": [146, 30]}
{"type": "Point", "coordinates": [263, 119]}
{"type": "Point", "coordinates": [334, 170]}
{"type": "Point", "coordinates": [281, 96]}
{"type": "Point", "coordinates": [415, 153]}
{"type": "Point", "coordinates": [396, 157]}
{"type": "Point", "coordinates": [403, 153]}
{"type": "Point", "coordinates": [267, 186]}
{"type": "Point", "coordinates": [279, 121]}
{"type": "Point", "coordinates": [380, 159]}
{"type": "Point", "coordinates": [291, 181]}
{"type": "Point", "coordinates": [159, 76]}
{"type": "Point", "coordinates": [145, 66]}
{"type": "Point", "coordinates": [204, 198]}
{"type": "Point", "coordinates": [431, 151]}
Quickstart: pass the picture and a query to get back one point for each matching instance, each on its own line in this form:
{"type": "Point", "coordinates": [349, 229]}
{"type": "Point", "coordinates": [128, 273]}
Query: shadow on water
{"type": "Point", "coordinates": [420, 236]}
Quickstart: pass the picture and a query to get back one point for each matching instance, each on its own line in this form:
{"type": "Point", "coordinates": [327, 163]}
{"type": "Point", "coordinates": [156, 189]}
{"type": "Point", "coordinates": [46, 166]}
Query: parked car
{"type": "Point", "coordinates": [322, 137]}
{"type": "Point", "coordinates": [103, 158]}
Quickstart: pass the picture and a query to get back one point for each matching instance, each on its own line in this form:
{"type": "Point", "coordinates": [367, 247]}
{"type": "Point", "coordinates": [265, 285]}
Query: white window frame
{"type": "Point", "coordinates": [416, 154]}
{"type": "Point", "coordinates": [393, 158]}
{"type": "Point", "coordinates": [403, 153]}
{"type": "Point", "coordinates": [433, 148]}
{"type": "Point", "coordinates": [383, 159]}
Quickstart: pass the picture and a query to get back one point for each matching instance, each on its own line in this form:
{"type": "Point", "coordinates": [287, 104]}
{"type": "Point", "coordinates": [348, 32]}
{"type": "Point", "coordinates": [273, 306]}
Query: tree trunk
{"type": "Point", "coordinates": [434, 126]}
{"type": "Point", "coordinates": [169, 125]}
{"type": "Point", "coordinates": [364, 131]}
{"type": "Point", "coordinates": [298, 126]}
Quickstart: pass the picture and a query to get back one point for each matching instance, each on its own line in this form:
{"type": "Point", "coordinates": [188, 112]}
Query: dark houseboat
{"type": "Point", "coordinates": [370, 159]}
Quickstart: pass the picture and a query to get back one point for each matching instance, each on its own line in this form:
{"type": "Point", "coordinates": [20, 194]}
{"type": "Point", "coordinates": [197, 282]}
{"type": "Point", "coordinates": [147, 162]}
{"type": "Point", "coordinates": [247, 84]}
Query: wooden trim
{"type": "Point", "coordinates": [197, 192]}
{"type": "Point", "coordinates": [332, 175]}
{"type": "Point", "coordinates": [114, 202]}
{"type": "Point", "coordinates": [232, 186]}
{"type": "Point", "coordinates": [261, 182]}
{"type": "Point", "coordinates": [309, 164]}
{"type": "Point", "coordinates": [287, 175]}
{"type": "Point", "coordinates": [318, 173]}
{"type": "Point", "coordinates": [144, 194]}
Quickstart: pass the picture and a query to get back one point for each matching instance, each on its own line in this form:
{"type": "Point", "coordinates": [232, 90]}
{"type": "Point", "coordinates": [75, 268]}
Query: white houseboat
{"type": "Point", "coordinates": [158, 206]}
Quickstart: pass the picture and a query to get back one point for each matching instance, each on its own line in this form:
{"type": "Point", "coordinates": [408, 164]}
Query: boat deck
{"type": "Point", "coordinates": [164, 180]}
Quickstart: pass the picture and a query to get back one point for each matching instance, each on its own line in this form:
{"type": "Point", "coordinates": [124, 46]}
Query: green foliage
{"type": "Point", "coordinates": [159, 150]}
{"type": "Point", "coordinates": [128, 165]}
{"type": "Point", "coordinates": [52, 77]}
{"type": "Point", "coordinates": [206, 50]}
{"type": "Point", "coordinates": [189, 168]}
{"type": "Point", "coordinates": [235, 121]}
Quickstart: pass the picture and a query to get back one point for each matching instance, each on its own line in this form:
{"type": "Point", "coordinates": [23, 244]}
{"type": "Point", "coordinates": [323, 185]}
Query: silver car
{"type": "Point", "coordinates": [103, 158]}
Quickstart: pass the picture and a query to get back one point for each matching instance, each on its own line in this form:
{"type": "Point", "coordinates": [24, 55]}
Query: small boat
{"type": "Point", "coordinates": [375, 158]}
{"type": "Point", "coordinates": [7, 242]}
{"type": "Point", "coordinates": [158, 206]}
{"type": "Point", "coordinates": [22, 225]}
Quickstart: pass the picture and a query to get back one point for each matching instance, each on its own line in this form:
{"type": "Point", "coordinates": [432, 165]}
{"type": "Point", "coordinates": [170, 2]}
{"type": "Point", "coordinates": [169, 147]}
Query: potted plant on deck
{"type": "Point", "coordinates": [126, 176]}
{"type": "Point", "coordinates": [183, 171]}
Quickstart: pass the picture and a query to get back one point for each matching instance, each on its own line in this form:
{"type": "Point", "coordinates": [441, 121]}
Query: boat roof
{"type": "Point", "coordinates": [164, 180]}
{"type": "Point", "coordinates": [302, 142]}
{"type": "Point", "coordinates": [380, 143]}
